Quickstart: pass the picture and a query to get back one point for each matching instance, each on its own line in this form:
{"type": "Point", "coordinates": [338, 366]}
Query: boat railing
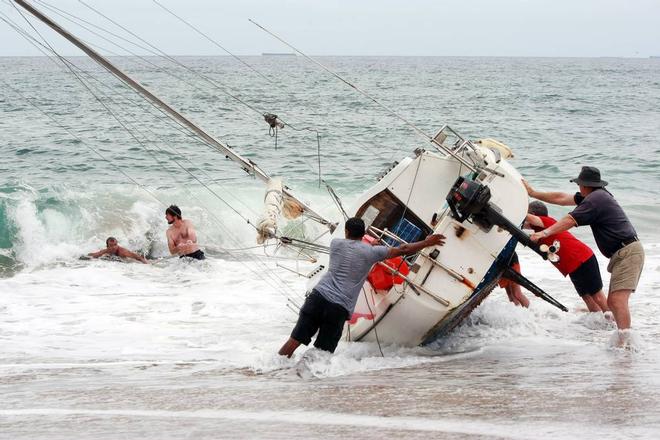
{"type": "Point", "coordinates": [451, 139]}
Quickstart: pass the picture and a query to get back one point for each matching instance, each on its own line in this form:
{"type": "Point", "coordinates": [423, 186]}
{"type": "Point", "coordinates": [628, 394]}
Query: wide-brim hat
{"type": "Point", "coordinates": [590, 176]}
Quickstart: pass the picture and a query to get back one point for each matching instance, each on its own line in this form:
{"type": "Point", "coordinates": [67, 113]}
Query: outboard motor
{"type": "Point", "coordinates": [470, 200]}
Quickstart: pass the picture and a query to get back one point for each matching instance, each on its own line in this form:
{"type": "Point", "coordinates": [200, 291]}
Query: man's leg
{"type": "Point", "coordinates": [591, 304]}
{"type": "Point", "coordinates": [516, 296]}
{"type": "Point", "coordinates": [289, 347]}
{"type": "Point", "coordinates": [509, 293]}
{"type": "Point", "coordinates": [308, 323]}
{"type": "Point", "coordinates": [596, 302]}
{"type": "Point", "coordinates": [586, 279]}
{"type": "Point", "coordinates": [601, 300]}
{"type": "Point", "coordinates": [618, 303]}
{"type": "Point", "coordinates": [331, 327]}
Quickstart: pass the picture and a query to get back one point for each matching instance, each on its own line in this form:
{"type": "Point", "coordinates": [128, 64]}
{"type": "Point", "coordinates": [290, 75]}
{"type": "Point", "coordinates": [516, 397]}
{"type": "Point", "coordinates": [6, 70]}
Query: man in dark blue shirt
{"type": "Point", "coordinates": [614, 234]}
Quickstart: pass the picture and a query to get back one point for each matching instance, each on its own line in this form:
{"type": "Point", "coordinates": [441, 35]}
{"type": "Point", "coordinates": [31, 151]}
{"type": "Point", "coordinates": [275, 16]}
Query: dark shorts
{"type": "Point", "coordinates": [319, 314]}
{"type": "Point", "coordinates": [197, 255]}
{"type": "Point", "coordinates": [586, 278]}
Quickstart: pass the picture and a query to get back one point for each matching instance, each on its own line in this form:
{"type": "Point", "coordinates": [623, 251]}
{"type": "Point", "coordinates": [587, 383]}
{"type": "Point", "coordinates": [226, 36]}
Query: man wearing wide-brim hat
{"type": "Point", "coordinates": [614, 234]}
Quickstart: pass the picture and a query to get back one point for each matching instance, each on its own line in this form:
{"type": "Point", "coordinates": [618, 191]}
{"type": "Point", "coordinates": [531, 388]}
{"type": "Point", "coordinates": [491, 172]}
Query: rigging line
{"type": "Point", "coordinates": [61, 11]}
{"type": "Point", "coordinates": [294, 127]}
{"type": "Point", "coordinates": [367, 95]}
{"type": "Point", "coordinates": [163, 54]}
{"type": "Point", "coordinates": [76, 20]}
{"type": "Point", "coordinates": [67, 64]}
{"type": "Point", "coordinates": [97, 152]}
{"type": "Point", "coordinates": [145, 61]}
{"type": "Point", "coordinates": [137, 140]}
{"type": "Point", "coordinates": [215, 83]}
{"type": "Point", "coordinates": [218, 221]}
{"type": "Point", "coordinates": [223, 87]}
{"type": "Point", "coordinates": [154, 51]}
{"type": "Point", "coordinates": [213, 41]}
{"type": "Point", "coordinates": [191, 26]}
{"type": "Point", "coordinates": [252, 166]}
{"type": "Point", "coordinates": [162, 139]}
{"type": "Point", "coordinates": [34, 41]}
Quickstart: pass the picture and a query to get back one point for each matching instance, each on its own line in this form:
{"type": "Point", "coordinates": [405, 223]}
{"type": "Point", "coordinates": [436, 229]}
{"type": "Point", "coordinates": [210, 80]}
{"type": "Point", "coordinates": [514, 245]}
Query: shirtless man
{"type": "Point", "coordinates": [181, 236]}
{"type": "Point", "coordinates": [113, 248]}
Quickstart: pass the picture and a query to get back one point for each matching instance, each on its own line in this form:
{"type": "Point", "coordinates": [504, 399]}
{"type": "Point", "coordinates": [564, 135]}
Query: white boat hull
{"type": "Point", "coordinates": [439, 292]}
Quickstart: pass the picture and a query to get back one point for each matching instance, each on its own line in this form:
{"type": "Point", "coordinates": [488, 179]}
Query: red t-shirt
{"type": "Point", "coordinates": [572, 252]}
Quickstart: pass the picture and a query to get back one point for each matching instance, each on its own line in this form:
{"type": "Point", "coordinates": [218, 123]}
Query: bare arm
{"type": "Point", "coordinates": [556, 198]}
{"type": "Point", "coordinates": [533, 220]}
{"type": "Point", "coordinates": [562, 225]}
{"type": "Point", "coordinates": [170, 243]}
{"type": "Point", "coordinates": [411, 248]}
{"type": "Point", "coordinates": [100, 253]}
{"type": "Point", "coordinates": [192, 234]}
{"type": "Point", "coordinates": [125, 253]}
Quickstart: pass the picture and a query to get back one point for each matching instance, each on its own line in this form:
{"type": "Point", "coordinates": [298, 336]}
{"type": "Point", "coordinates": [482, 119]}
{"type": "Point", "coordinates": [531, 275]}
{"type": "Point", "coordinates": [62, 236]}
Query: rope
{"type": "Point", "coordinates": [212, 41]}
{"type": "Point", "coordinates": [156, 51]}
{"type": "Point", "coordinates": [68, 65]}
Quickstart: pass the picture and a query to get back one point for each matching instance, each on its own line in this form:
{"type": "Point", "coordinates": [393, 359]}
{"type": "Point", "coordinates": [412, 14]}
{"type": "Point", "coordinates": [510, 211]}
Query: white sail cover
{"type": "Point", "coordinates": [276, 203]}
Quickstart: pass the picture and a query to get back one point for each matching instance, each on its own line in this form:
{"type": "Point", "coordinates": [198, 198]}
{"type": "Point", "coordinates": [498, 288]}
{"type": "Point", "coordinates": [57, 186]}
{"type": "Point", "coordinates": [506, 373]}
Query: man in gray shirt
{"type": "Point", "coordinates": [614, 234]}
{"type": "Point", "coordinates": [333, 299]}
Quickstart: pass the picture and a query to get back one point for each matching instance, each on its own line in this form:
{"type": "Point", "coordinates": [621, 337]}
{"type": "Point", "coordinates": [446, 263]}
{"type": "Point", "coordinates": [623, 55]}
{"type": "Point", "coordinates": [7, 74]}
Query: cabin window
{"type": "Point", "coordinates": [385, 211]}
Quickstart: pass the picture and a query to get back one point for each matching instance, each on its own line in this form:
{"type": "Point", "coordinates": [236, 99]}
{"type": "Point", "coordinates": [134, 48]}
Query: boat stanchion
{"type": "Point", "coordinates": [518, 278]}
{"type": "Point", "coordinates": [415, 287]}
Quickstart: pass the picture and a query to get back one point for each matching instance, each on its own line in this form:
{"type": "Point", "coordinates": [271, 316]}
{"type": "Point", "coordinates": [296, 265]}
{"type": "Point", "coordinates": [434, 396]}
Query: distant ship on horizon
{"type": "Point", "coordinates": [278, 54]}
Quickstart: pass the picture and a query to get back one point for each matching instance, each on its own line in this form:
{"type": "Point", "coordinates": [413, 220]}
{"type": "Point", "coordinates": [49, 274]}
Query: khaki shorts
{"type": "Point", "coordinates": [626, 267]}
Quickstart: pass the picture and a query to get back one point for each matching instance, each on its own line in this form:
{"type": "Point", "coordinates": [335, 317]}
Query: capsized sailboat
{"type": "Point", "coordinates": [467, 191]}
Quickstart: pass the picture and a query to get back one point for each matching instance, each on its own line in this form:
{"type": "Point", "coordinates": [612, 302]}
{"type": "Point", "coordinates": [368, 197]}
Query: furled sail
{"type": "Point", "coordinates": [276, 204]}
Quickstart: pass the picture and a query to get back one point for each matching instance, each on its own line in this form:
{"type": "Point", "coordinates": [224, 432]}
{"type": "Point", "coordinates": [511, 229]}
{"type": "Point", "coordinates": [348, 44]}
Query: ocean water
{"type": "Point", "coordinates": [106, 349]}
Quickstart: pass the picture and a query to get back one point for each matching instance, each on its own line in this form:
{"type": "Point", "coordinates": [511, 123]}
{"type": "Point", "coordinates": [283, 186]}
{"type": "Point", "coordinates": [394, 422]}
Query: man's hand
{"type": "Point", "coordinates": [411, 248]}
{"type": "Point", "coordinates": [435, 240]}
{"type": "Point", "coordinates": [528, 187]}
{"type": "Point", "coordinates": [536, 236]}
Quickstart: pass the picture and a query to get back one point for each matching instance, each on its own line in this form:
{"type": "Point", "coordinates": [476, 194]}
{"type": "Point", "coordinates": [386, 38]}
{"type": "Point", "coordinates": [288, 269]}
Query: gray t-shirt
{"type": "Point", "coordinates": [608, 222]}
{"type": "Point", "coordinates": [350, 262]}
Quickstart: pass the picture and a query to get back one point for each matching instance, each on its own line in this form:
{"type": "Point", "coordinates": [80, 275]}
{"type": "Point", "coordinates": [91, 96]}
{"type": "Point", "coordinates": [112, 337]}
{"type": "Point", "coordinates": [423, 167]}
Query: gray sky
{"type": "Point", "coordinates": [626, 28]}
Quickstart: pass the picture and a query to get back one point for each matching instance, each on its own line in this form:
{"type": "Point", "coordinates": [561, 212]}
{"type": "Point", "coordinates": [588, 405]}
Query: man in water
{"type": "Point", "coordinates": [112, 248]}
{"type": "Point", "coordinates": [576, 259]}
{"type": "Point", "coordinates": [332, 301]}
{"type": "Point", "coordinates": [614, 234]}
{"type": "Point", "coordinates": [181, 236]}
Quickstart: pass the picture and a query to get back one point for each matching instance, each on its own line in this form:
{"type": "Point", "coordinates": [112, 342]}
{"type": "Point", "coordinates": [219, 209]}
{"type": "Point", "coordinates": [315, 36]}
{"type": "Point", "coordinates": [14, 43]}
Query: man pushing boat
{"type": "Point", "coordinates": [332, 301]}
{"type": "Point", "coordinates": [614, 234]}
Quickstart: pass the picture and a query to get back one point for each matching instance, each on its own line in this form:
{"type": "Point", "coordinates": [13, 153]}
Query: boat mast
{"type": "Point", "coordinates": [246, 164]}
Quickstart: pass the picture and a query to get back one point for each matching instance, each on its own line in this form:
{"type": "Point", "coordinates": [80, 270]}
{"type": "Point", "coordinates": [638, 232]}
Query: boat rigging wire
{"type": "Point", "coordinates": [162, 139]}
{"type": "Point", "coordinates": [248, 165]}
{"type": "Point", "coordinates": [370, 97]}
{"type": "Point", "coordinates": [68, 65]}
{"type": "Point", "coordinates": [212, 41]}
{"type": "Point", "coordinates": [294, 127]}
{"type": "Point", "coordinates": [215, 83]}
{"type": "Point", "coordinates": [222, 87]}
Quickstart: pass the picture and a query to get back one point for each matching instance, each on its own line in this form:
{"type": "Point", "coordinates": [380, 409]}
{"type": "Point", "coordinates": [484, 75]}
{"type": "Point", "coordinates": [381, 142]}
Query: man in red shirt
{"type": "Point", "coordinates": [576, 259]}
